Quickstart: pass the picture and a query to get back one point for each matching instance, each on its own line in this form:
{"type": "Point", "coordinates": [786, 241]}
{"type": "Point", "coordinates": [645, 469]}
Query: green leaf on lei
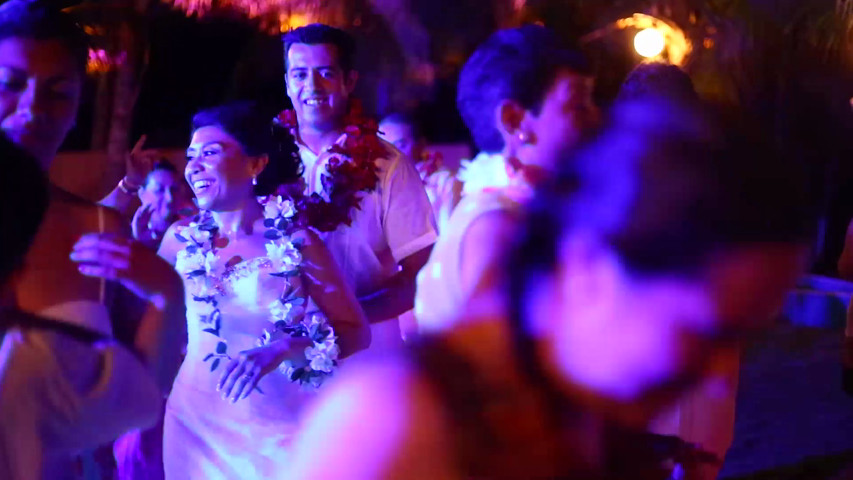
{"type": "Point", "coordinates": [269, 222]}
{"type": "Point", "coordinates": [291, 273]}
{"type": "Point", "coordinates": [208, 357]}
{"type": "Point", "coordinates": [181, 238]}
{"type": "Point", "coordinates": [297, 374]}
{"type": "Point", "coordinates": [215, 364]}
{"type": "Point", "coordinates": [221, 347]}
{"type": "Point", "coordinates": [211, 331]}
{"type": "Point", "coordinates": [272, 234]}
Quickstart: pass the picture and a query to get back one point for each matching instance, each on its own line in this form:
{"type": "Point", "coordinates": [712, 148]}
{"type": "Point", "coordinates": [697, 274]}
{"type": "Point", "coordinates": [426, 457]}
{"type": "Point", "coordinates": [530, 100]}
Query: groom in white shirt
{"type": "Point", "coordinates": [393, 231]}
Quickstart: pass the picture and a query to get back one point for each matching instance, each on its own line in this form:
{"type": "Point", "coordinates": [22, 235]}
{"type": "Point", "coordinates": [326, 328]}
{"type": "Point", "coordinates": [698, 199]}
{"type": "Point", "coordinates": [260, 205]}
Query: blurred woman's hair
{"type": "Point", "coordinates": [665, 187]}
{"type": "Point", "coordinates": [23, 202]}
{"type": "Point", "coordinates": [44, 20]}
{"type": "Point", "coordinates": [519, 64]}
{"type": "Point", "coordinates": [258, 136]}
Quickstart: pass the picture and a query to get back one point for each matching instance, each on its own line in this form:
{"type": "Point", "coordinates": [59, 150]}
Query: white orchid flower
{"type": "Point", "coordinates": [284, 255]}
{"type": "Point", "coordinates": [280, 311]}
{"type": "Point", "coordinates": [277, 206]}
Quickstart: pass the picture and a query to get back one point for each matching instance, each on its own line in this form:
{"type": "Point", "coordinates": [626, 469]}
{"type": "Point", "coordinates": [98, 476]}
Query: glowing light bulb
{"type": "Point", "coordinates": [649, 42]}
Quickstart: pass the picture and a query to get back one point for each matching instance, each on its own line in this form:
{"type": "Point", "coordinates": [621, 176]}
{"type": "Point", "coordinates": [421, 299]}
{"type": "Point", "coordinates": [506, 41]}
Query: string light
{"type": "Point", "coordinates": [656, 38]}
{"type": "Point", "coordinates": [649, 42]}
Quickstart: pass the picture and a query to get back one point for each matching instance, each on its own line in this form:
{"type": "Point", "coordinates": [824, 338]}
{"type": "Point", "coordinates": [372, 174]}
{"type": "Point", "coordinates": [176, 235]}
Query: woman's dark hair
{"type": "Point", "coordinates": [258, 136]}
{"type": "Point", "coordinates": [518, 64]}
{"type": "Point", "coordinates": [43, 20]}
{"type": "Point", "coordinates": [23, 202]}
{"type": "Point", "coordinates": [319, 34]}
{"type": "Point", "coordinates": [666, 185]}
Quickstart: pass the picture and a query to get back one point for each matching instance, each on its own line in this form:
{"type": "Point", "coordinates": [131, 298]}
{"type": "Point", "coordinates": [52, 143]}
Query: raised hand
{"type": "Point", "coordinates": [140, 162]}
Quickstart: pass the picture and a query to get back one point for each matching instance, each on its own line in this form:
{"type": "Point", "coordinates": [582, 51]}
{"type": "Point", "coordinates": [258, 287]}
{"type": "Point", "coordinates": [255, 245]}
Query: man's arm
{"type": "Point", "coordinates": [397, 294]}
{"type": "Point", "coordinates": [410, 231]}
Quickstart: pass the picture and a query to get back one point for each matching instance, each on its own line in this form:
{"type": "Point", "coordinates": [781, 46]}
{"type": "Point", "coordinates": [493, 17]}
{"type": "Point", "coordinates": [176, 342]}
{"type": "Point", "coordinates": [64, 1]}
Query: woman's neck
{"type": "Point", "coordinates": [239, 219]}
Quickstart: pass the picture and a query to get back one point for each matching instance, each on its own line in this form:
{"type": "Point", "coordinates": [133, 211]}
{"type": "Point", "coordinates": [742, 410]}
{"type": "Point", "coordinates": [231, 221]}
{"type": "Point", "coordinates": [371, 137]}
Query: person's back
{"type": "Point", "coordinates": [64, 389]}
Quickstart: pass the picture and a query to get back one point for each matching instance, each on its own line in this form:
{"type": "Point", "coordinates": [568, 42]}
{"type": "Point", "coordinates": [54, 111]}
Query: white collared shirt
{"type": "Point", "coordinates": [394, 221]}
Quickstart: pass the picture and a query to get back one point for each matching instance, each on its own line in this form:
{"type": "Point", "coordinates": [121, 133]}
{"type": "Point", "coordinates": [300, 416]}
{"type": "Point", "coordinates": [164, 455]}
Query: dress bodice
{"type": "Point", "coordinates": [245, 292]}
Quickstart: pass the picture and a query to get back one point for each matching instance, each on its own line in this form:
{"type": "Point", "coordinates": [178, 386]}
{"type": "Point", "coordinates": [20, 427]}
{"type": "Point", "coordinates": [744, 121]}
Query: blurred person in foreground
{"type": "Point", "coordinates": [663, 245]}
{"type": "Point", "coordinates": [81, 268]}
{"type": "Point", "coordinates": [63, 388]}
{"type": "Point", "coordinates": [43, 57]}
{"type": "Point", "coordinates": [706, 414]}
{"type": "Point", "coordinates": [527, 99]}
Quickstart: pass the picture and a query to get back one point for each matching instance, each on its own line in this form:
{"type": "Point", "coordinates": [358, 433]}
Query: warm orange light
{"type": "Point", "coordinates": [102, 62]}
{"type": "Point", "coordinates": [282, 15]}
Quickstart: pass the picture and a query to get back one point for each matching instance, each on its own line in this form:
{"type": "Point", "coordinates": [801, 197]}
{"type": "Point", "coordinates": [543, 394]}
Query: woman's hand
{"type": "Point", "coordinates": [140, 270]}
{"type": "Point", "coordinates": [243, 372]}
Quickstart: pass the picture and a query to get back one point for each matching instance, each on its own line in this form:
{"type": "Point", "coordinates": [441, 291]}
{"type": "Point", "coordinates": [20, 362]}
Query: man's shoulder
{"type": "Point", "coordinates": [390, 157]}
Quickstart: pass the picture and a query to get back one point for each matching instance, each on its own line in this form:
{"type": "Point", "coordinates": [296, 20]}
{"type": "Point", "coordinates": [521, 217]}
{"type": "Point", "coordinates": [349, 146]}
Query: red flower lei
{"type": "Point", "coordinates": [351, 170]}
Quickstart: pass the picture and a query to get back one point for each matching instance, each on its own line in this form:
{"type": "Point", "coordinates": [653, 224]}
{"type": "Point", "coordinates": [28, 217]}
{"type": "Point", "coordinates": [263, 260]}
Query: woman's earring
{"type": "Point", "coordinates": [523, 137]}
{"type": "Point", "coordinates": [255, 180]}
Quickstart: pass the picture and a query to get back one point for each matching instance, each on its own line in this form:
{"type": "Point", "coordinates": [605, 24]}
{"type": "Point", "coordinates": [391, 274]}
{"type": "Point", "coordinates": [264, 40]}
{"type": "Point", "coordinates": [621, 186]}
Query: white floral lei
{"type": "Point", "coordinates": [197, 262]}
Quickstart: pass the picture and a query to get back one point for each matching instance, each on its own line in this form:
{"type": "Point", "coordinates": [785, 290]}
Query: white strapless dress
{"type": "Point", "coordinates": [206, 437]}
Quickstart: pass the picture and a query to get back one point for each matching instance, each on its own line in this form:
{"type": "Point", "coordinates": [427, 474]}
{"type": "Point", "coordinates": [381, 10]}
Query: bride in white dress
{"type": "Point", "coordinates": [231, 413]}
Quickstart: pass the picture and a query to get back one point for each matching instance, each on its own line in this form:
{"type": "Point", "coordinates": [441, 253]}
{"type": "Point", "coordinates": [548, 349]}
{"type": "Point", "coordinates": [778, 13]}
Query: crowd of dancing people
{"type": "Point", "coordinates": [574, 298]}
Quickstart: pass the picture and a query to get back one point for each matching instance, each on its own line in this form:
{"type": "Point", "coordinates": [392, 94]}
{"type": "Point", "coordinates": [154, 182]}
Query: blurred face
{"type": "Point", "coordinates": [39, 93]}
{"type": "Point", "coordinates": [567, 114]}
{"type": "Point", "coordinates": [162, 190]}
{"type": "Point", "coordinates": [401, 136]}
{"type": "Point", "coordinates": [631, 345]}
{"type": "Point", "coordinates": [317, 85]}
{"type": "Point", "coordinates": [218, 170]}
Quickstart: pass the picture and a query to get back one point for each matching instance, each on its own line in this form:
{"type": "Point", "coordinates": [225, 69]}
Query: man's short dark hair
{"type": "Point", "coordinates": [319, 34]}
{"type": "Point", "coordinates": [43, 20]}
{"type": "Point", "coordinates": [23, 202]}
{"type": "Point", "coordinates": [518, 64]}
